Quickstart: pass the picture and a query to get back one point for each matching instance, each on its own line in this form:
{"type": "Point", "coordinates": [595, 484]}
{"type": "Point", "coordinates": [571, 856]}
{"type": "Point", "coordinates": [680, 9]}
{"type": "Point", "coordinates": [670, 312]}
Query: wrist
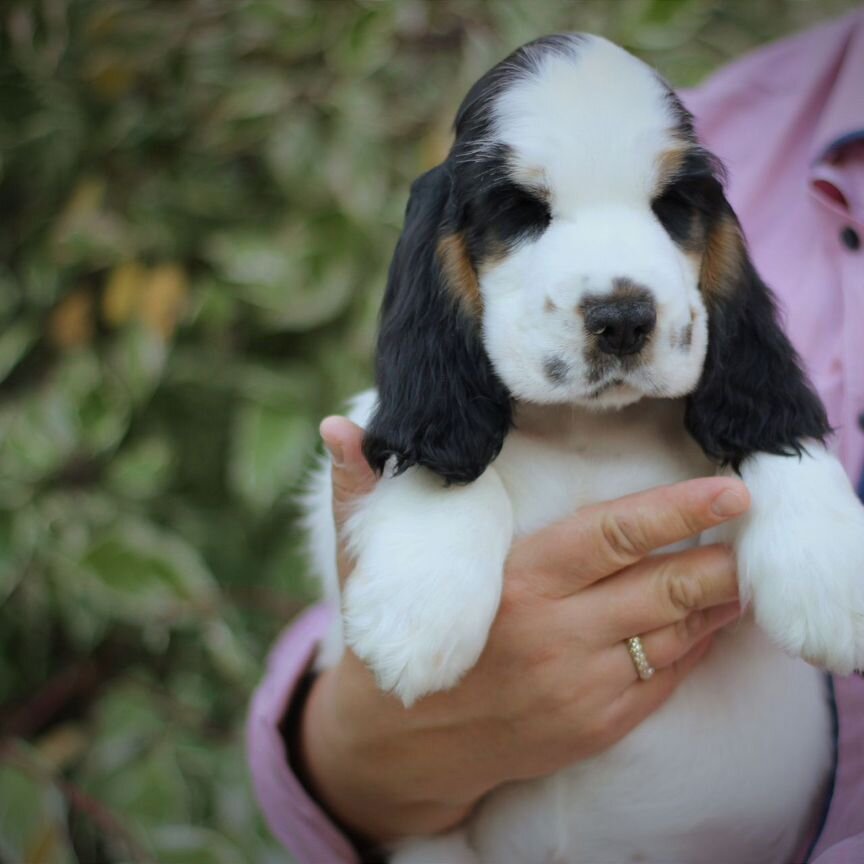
{"type": "Point", "coordinates": [321, 761]}
{"type": "Point", "coordinates": [355, 775]}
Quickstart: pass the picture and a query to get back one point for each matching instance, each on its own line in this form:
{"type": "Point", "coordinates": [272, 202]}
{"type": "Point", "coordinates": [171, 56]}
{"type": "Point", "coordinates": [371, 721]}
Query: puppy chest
{"type": "Point", "coordinates": [597, 459]}
{"type": "Point", "coordinates": [733, 768]}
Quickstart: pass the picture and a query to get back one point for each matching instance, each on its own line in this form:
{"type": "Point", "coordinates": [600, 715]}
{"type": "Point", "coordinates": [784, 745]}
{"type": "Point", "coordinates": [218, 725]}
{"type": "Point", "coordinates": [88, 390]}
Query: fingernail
{"type": "Point", "coordinates": [730, 502]}
{"type": "Point", "coordinates": [336, 454]}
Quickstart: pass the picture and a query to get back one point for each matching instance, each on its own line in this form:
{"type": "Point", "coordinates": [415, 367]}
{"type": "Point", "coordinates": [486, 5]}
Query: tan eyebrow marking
{"type": "Point", "coordinates": [722, 259]}
{"type": "Point", "coordinates": [532, 179]}
{"type": "Point", "coordinates": [718, 252]}
{"type": "Point", "coordinates": [459, 273]}
{"type": "Point", "coordinates": [669, 163]}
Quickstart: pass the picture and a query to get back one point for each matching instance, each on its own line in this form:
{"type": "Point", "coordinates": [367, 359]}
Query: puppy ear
{"type": "Point", "coordinates": [440, 403]}
{"type": "Point", "coordinates": [753, 395]}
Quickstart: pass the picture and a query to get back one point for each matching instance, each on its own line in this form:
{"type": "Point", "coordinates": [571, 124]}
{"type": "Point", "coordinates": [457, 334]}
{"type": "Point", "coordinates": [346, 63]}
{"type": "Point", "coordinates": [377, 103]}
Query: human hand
{"type": "Point", "coordinates": [555, 683]}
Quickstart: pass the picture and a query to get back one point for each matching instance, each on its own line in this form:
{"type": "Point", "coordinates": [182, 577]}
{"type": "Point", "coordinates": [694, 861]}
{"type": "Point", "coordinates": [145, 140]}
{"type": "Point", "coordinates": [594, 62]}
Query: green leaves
{"type": "Point", "coordinates": [157, 749]}
{"type": "Point", "coordinates": [80, 413]}
{"type": "Point", "coordinates": [270, 448]}
{"type": "Point", "coordinates": [200, 201]}
{"type": "Point", "coordinates": [290, 276]}
{"type": "Point", "coordinates": [15, 341]}
{"type": "Point", "coordinates": [33, 824]}
{"type": "Point", "coordinates": [142, 470]}
{"type": "Point", "coordinates": [145, 576]}
{"type": "Point", "coordinates": [187, 844]}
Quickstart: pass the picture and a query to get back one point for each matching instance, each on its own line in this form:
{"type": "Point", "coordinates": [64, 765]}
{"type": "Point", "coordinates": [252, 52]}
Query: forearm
{"type": "Point", "coordinates": [294, 817]}
{"type": "Point", "coordinates": [349, 760]}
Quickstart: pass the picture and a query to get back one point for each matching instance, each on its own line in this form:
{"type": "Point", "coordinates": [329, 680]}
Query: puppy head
{"type": "Point", "coordinates": [581, 190]}
{"type": "Point", "coordinates": [575, 247]}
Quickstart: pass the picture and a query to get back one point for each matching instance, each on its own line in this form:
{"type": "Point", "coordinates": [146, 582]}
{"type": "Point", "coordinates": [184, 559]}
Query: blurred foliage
{"type": "Point", "coordinates": [199, 202]}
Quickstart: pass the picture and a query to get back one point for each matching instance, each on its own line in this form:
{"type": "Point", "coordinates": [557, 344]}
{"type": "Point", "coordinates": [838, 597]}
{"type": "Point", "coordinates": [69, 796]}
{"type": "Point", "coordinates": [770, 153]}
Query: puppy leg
{"type": "Point", "coordinates": [427, 582]}
{"type": "Point", "coordinates": [801, 556]}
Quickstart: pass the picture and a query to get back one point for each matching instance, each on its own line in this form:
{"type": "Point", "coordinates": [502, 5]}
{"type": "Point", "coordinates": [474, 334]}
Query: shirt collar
{"type": "Point", "coordinates": [841, 120]}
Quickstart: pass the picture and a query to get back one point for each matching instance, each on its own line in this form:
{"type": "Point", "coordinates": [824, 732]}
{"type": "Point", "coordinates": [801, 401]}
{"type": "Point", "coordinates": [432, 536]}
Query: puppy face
{"type": "Point", "coordinates": [576, 247]}
{"type": "Point", "coordinates": [580, 188]}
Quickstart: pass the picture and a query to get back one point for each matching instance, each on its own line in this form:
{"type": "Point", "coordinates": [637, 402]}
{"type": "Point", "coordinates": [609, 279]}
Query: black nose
{"type": "Point", "coordinates": [622, 326]}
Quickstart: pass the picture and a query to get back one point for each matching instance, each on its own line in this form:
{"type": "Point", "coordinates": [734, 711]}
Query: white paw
{"type": "Point", "coordinates": [429, 560]}
{"type": "Point", "coordinates": [821, 619]}
{"type": "Point", "coordinates": [801, 559]}
{"type": "Point", "coordinates": [414, 627]}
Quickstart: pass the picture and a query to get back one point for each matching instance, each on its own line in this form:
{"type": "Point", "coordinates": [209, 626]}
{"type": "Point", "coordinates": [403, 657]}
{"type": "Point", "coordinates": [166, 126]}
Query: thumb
{"type": "Point", "coordinates": [350, 474]}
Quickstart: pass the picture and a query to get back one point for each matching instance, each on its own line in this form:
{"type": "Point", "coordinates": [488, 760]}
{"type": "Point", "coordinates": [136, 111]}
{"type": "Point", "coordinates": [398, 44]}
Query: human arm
{"type": "Point", "coordinates": [384, 771]}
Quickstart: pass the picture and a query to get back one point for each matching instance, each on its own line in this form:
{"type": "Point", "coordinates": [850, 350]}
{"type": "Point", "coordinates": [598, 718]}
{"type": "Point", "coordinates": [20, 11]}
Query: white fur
{"type": "Point", "coordinates": [738, 760]}
{"type": "Point", "coordinates": [729, 770]}
{"type": "Point", "coordinates": [398, 608]}
{"type": "Point", "coordinates": [600, 177]}
{"type": "Point", "coordinates": [427, 580]}
{"type": "Point", "coordinates": [734, 767]}
{"type": "Point", "coordinates": [801, 557]}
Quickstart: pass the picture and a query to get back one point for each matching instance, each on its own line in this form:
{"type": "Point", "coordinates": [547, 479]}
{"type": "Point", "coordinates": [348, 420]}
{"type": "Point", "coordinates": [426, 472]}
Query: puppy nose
{"type": "Point", "coordinates": [621, 325]}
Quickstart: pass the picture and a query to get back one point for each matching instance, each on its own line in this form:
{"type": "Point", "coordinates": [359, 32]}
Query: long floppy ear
{"type": "Point", "coordinates": [440, 404]}
{"type": "Point", "coordinates": [753, 395]}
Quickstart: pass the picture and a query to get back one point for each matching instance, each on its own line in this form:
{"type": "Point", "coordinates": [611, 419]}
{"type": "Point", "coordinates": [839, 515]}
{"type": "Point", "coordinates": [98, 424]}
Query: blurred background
{"type": "Point", "coordinates": [199, 199]}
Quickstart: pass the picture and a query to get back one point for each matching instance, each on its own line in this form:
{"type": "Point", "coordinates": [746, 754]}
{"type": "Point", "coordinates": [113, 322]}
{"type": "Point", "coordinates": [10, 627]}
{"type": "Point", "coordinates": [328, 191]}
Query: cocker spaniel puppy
{"type": "Point", "coordinates": [571, 315]}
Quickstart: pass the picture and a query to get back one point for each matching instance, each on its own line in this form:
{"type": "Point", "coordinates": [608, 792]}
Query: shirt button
{"type": "Point", "coordinates": [850, 238]}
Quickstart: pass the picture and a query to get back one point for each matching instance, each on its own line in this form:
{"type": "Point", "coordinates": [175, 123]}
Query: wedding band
{"type": "Point", "coordinates": [640, 659]}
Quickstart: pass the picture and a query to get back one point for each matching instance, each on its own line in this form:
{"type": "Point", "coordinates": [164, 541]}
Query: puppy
{"type": "Point", "coordinates": [571, 316]}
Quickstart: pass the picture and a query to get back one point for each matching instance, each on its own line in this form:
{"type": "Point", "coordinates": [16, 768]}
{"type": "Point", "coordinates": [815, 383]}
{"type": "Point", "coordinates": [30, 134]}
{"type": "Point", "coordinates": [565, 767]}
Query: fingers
{"type": "Point", "coordinates": [350, 474]}
{"type": "Point", "coordinates": [666, 646]}
{"type": "Point", "coordinates": [642, 698]}
{"type": "Point", "coordinates": [661, 590]}
{"type": "Point", "coordinates": [604, 538]}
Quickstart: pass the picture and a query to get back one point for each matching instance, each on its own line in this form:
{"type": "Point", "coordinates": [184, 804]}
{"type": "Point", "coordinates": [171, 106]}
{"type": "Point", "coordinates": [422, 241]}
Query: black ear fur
{"type": "Point", "coordinates": [753, 395]}
{"type": "Point", "coordinates": [440, 404]}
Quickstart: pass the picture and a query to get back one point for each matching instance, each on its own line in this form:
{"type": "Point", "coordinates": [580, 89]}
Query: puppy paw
{"type": "Point", "coordinates": [419, 604]}
{"type": "Point", "coordinates": [801, 559]}
{"type": "Point", "coordinates": [420, 626]}
{"type": "Point", "coordinates": [821, 621]}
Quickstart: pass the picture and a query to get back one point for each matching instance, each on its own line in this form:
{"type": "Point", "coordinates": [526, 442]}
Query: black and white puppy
{"type": "Point", "coordinates": [571, 316]}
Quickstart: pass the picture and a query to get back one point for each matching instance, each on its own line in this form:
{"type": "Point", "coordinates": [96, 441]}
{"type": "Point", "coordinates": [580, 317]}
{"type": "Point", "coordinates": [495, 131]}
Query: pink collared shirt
{"type": "Point", "coordinates": [788, 121]}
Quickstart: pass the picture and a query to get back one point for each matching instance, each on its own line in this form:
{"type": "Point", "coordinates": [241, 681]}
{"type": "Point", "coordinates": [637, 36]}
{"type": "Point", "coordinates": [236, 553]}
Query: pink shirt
{"type": "Point", "coordinates": [788, 121]}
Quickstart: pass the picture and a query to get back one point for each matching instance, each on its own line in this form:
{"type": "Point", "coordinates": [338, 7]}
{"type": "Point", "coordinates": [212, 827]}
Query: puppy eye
{"type": "Point", "coordinates": [675, 208]}
{"type": "Point", "coordinates": [514, 212]}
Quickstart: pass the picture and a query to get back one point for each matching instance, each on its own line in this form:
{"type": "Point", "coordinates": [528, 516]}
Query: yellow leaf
{"type": "Point", "coordinates": [71, 321]}
{"type": "Point", "coordinates": [86, 198]}
{"type": "Point", "coordinates": [122, 292]}
{"type": "Point", "coordinates": [43, 848]}
{"type": "Point", "coordinates": [113, 81]}
{"type": "Point", "coordinates": [162, 299]}
{"type": "Point", "coordinates": [102, 22]}
{"type": "Point", "coordinates": [109, 76]}
{"type": "Point", "coordinates": [83, 205]}
{"type": "Point", "coordinates": [62, 745]}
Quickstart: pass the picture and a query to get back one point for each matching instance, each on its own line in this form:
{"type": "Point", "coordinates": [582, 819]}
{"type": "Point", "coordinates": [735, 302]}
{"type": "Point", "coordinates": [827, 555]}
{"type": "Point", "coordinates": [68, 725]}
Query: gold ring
{"type": "Point", "coordinates": [640, 659]}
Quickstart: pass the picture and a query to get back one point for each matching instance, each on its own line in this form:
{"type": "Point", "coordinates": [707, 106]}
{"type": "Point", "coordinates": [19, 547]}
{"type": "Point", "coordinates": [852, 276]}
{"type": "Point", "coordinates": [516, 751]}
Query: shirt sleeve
{"type": "Point", "coordinates": [294, 818]}
{"type": "Point", "coordinates": [848, 851]}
